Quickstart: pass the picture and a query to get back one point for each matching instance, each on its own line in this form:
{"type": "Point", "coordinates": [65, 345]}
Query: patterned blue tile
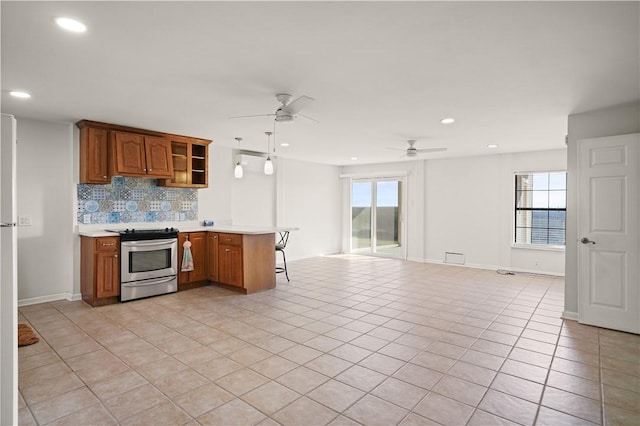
{"type": "Point", "coordinates": [98, 192]}
{"type": "Point", "coordinates": [131, 200]}
{"type": "Point", "coordinates": [117, 182]}
{"type": "Point", "coordinates": [113, 217]}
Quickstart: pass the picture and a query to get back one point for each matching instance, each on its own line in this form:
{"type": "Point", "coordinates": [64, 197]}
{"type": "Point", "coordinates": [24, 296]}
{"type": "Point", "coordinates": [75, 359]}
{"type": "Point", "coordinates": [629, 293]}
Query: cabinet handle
{"type": "Point", "coordinates": [107, 244]}
{"type": "Point", "coordinates": [115, 255]}
{"type": "Point", "coordinates": [215, 237]}
{"type": "Point", "coordinates": [150, 170]}
{"type": "Point", "coordinates": [104, 177]}
{"type": "Point", "coordinates": [228, 239]}
{"type": "Point", "coordinates": [227, 250]}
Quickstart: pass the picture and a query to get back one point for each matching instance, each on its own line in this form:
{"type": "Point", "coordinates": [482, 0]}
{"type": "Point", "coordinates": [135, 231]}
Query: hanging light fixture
{"type": "Point", "coordinates": [238, 172]}
{"type": "Point", "coordinates": [268, 165]}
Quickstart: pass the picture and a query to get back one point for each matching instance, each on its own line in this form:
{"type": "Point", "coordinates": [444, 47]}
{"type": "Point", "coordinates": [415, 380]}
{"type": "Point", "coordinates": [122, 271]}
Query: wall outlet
{"type": "Point", "coordinates": [86, 218]}
{"type": "Point", "coordinates": [24, 221]}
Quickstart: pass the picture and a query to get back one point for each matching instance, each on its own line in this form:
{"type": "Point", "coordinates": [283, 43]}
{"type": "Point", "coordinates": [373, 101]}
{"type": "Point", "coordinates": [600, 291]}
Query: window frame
{"type": "Point", "coordinates": [514, 227]}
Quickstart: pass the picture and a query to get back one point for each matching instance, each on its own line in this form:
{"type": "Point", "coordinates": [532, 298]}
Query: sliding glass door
{"type": "Point", "coordinates": [376, 217]}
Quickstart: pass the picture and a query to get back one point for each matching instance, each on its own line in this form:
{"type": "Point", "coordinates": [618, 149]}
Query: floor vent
{"type": "Point", "coordinates": [456, 258]}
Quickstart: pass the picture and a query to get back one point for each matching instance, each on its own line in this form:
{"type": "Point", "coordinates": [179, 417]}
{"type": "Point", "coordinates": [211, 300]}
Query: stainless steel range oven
{"type": "Point", "coordinates": [148, 262]}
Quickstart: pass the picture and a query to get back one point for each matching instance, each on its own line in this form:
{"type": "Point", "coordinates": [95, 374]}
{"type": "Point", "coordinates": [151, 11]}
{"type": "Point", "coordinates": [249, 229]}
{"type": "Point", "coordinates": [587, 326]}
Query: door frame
{"type": "Point", "coordinates": [402, 217]}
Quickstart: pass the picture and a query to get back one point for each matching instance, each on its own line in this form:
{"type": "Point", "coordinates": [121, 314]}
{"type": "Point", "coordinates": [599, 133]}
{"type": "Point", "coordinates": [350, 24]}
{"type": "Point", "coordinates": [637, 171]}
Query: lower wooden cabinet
{"type": "Point", "coordinates": [230, 265]}
{"type": "Point", "coordinates": [212, 256]}
{"type": "Point", "coordinates": [199, 252]}
{"type": "Point", "coordinates": [99, 270]}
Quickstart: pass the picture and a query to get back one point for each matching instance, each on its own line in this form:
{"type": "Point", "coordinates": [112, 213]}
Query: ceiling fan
{"type": "Point", "coordinates": [412, 151]}
{"type": "Point", "coordinates": [288, 111]}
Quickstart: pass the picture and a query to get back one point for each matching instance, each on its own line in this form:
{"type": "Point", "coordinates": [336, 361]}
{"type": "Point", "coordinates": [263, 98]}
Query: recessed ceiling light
{"type": "Point", "coordinates": [19, 94]}
{"type": "Point", "coordinates": [71, 25]}
{"type": "Point", "coordinates": [284, 144]}
{"type": "Point", "coordinates": [492, 146]}
{"type": "Point", "coordinates": [354, 158]}
{"type": "Point", "coordinates": [447, 120]}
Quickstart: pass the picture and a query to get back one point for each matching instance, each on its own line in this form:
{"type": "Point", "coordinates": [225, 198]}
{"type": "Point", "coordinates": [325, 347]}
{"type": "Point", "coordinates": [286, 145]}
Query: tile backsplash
{"type": "Point", "coordinates": [128, 200]}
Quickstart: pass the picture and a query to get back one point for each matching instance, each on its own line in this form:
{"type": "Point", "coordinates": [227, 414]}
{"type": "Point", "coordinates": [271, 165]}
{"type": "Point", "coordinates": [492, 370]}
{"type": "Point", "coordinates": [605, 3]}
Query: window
{"type": "Point", "coordinates": [540, 208]}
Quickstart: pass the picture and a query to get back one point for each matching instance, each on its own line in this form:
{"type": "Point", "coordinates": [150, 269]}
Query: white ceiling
{"type": "Point", "coordinates": [380, 72]}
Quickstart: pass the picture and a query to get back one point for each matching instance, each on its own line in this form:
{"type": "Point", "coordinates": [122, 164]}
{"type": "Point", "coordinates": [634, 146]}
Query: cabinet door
{"type": "Point", "coordinates": [129, 154]}
{"type": "Point", "coordinates": [212, 256]}
{"type": "Point", "coordinates": [93, 165]}
{"type": "Point", "coordinates": [199, 253]}
{"type": "Point", "coordinates": [230, 265]}
{"type": "Point", "coordinates": [158, 155]}
{"type": "Point", "coordinates": [107, 274]}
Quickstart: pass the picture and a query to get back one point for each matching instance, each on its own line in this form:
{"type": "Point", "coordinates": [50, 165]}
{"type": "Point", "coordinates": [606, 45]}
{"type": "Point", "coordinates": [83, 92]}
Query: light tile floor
{"type": "Point", "coordinates": [350, 340]}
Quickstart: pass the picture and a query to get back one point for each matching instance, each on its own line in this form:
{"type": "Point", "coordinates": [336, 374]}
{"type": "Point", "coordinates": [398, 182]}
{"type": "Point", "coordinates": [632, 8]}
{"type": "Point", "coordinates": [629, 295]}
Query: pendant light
{"type": "Point", "coordinates": [238, 172]}
{"type": "Point", "coordinates": [268, 165]}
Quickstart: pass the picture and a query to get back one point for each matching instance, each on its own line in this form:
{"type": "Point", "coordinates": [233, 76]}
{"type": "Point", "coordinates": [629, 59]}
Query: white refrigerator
{"type": "Point", "coordinates": [8, 275]}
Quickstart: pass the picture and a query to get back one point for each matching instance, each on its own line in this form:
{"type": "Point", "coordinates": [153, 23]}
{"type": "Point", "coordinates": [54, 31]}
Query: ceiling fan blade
{"type": "Point", "coordinates": [306, 117]}
{"type": "Point", "coordinates": [252, 116]}
{"type": "Point", "coordinates": [396, 149]}
{"type": "Point", "coordinates": [425, 150]}
{"type": "Point", "coordinates": [297, 105]}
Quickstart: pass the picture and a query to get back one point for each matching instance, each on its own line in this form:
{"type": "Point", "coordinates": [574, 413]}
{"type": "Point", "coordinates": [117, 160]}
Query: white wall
{"type": "Point", "coordinates": [469, 209]}
{"type": "Point", "coordinates": [308, 197]}
{"type": "Point", "coordinates": [214, 202]}
{"type": "Point", "coordinates": [465, 205]}
{"type": "Point", "coordinates": [618, 120]}
{"type": "Point", "coordinates": [45, 194]}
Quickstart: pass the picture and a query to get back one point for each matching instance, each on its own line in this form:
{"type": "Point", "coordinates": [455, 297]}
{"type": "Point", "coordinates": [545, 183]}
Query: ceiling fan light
{"type": "Point", "coordinates": [238, 172]}
{"type": "Point", "coordinates": [447, 121]}
{"type": "Point", "coordinates": [268, 166]}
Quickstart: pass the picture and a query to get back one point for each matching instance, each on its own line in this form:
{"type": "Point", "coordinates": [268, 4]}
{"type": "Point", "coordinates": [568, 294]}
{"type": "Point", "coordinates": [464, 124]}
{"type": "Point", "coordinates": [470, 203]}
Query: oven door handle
{"type": "Point", "coordinates": [149, 282]}
{"type": "Point", "coordinates": [147, 243]}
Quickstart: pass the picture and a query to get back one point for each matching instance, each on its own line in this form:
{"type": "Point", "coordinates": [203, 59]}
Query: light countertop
{"type": "Point", "coordinates": [232, 229]}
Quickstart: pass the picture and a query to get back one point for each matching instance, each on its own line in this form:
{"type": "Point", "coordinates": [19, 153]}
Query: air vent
{"type": "Point", "coordinates": [455, 258]}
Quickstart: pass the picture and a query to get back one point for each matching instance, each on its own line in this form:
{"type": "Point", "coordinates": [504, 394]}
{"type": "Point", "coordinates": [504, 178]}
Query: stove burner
{"type": "Point", "coordinates": [146, 234]}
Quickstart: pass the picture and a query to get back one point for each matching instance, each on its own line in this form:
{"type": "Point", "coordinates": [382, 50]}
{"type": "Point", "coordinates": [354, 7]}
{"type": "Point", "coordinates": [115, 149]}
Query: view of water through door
{"type": "Point", "coordinates": [376, 217]}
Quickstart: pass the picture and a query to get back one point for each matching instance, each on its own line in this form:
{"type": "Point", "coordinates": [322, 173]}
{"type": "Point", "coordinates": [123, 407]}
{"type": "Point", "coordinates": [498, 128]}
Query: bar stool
{"type": "Point", "coordinates": [280, 246]}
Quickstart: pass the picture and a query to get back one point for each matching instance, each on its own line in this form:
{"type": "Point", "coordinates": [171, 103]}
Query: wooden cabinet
{"type": "Point", "coordinates": [212, 256]}
{"type": "Point", "coordinates": [139, 155]}
{"type": "Point", "coordinates": [108, 150]}
{"type": "Point", "coordinates": [246, 261]}
{"type": "Point", "coordinates": [190, 163]}
{"type": "Point", "coordinates": [93, 155]}
{"type": "Point", "coordinates": [198, 276]}
{"type": "Point", "coordinates": [99, 270]}
{"type": "Point", "coordinates": [230, 260]}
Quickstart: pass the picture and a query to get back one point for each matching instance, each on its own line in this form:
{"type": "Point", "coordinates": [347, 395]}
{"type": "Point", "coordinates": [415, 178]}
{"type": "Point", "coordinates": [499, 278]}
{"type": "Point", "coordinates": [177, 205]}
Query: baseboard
{"type": "Point", "coordinates": [416, 259]}
{"type": "Point", "coordinates": [42, 299]}
{"type": "Point", "coordinates": [494, 268]}
{"type": "Point", "coordinates": [50, 298]}
{"type": "Point", "coordinates": [570, 315]}
{"type": "Point", "coordinates": [74, 297]}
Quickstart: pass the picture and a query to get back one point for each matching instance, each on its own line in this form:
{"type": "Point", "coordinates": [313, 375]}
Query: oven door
{"type": "Point", "coordinates": [143, 260]}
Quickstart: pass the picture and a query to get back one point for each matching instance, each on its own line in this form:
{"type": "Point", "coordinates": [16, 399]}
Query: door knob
{"type": "Point", "coordinates": [585, 240]}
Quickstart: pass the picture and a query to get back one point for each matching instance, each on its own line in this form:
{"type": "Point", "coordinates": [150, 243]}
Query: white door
{"type": "Point", "coordinates": [608, 232]}
{"type": "Point", "coordinates": [8, 275]}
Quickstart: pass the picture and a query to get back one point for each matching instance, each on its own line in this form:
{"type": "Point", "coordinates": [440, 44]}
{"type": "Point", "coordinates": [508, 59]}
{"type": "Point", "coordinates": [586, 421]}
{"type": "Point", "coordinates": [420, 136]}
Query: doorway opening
{"type": "Point", "coordinates": [377, 217]}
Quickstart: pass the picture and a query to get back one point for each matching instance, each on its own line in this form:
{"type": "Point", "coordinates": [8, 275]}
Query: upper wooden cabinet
{"type": "Point", "coordinates": [139, 155]}
{"type": "Point", "coordinates": [93, 155]}
{"type": "Point", "coordinates": [108, 150]}
{"type": "Point", "coordinates": [189, 160]}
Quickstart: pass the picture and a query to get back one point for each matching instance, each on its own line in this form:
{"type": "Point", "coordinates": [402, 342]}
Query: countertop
{"type": "Point", "coordinates": [232, 229]}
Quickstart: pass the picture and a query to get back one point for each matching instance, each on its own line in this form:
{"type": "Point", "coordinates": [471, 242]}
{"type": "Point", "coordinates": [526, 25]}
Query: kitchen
{"type": "Point", "coordinates": [311, 192]}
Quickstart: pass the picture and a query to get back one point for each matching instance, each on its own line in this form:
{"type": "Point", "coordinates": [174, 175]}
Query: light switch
{"type": "Point", "coordinates": [24, 221]}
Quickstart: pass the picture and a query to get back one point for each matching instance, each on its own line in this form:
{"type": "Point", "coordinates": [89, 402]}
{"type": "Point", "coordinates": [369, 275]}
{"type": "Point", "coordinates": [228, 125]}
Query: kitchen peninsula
{"type": "Point", "coordinates": [241, 258]}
